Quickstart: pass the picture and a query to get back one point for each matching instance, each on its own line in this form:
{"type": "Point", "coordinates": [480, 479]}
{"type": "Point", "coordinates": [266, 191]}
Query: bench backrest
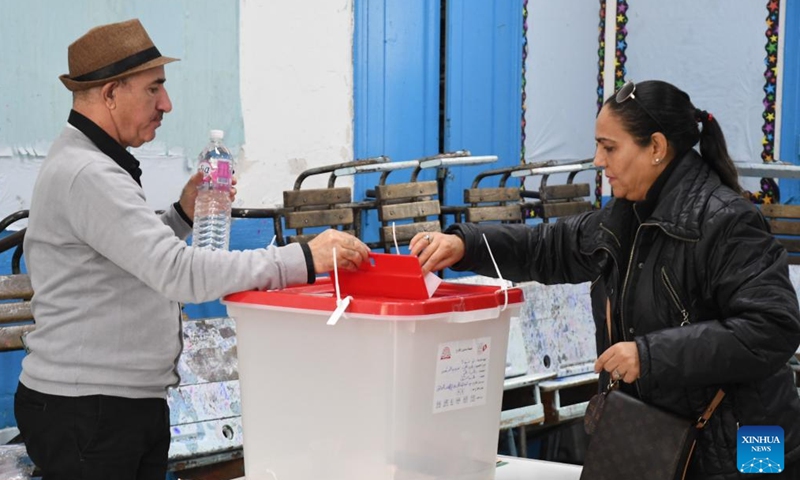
{"type": "Point", "coordinates": [16, 318]}
{"type": "Point", "coordinates": [321, 207]}
{"type": "Point", "coordinates": [410, 207]}
{"type": "Point", "coordinates": [784, 220]}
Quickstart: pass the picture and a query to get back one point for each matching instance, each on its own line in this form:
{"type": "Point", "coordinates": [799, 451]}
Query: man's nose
{"type": "Point", "coordinates": [165, 104]}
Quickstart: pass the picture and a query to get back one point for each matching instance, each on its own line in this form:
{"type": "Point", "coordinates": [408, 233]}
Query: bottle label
{"type": "Point", "coordinates": [216, 175]}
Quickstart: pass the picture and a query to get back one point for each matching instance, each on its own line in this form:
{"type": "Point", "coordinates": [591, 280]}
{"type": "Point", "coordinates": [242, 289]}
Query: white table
{"type": "Point", "coordinates": [525, 469]}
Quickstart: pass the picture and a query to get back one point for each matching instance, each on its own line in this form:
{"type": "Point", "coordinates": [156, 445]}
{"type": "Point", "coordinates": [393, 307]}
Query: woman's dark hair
{"type": "Point", "coordinates": [661, 107]}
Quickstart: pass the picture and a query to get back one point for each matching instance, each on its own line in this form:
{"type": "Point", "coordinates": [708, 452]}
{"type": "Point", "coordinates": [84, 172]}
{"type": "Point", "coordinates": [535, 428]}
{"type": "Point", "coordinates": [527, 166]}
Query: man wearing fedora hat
{"type": "Point", "coordinates": [108, 273]}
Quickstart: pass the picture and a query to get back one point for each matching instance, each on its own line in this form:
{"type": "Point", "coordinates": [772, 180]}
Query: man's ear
{"type": "Point", "coordinates": [107, 92]}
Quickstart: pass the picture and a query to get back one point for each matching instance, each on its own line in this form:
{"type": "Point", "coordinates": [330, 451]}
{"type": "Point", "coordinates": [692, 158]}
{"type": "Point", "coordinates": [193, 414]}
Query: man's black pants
{"type": "Point", "coordinates": [94, 437]}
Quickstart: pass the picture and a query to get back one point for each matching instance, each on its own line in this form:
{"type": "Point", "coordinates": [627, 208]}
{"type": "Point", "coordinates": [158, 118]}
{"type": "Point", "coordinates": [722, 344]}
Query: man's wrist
{"type": "Point", "coordinates": [312, 274]}
{"type": "Point", "coordinates": [182, 213]}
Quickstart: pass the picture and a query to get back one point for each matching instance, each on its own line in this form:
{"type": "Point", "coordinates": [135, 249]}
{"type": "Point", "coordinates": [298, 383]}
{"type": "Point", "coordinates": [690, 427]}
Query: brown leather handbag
{"type": "Point", "coordinates": [633, 440]}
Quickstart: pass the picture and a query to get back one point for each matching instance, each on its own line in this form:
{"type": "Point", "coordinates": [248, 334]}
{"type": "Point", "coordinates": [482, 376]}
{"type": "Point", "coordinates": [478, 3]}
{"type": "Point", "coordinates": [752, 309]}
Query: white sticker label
{"type": "Point", "coordinates": [462, 374]}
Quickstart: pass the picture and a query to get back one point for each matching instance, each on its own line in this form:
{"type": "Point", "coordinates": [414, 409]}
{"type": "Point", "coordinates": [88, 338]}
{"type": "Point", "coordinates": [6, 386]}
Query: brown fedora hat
{"type": "Point", "coordinates": [110, 52]}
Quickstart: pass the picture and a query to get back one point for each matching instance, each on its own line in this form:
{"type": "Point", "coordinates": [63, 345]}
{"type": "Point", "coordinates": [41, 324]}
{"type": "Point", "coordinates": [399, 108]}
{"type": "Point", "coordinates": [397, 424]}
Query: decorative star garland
{"type": "Point", "coordinates": [601, 66]}
{"type": "Point", "coordinates": [601, 55]}
{"type": "Point", "coordinates": [770, 193]}
{"type": "Point", "coordinates": [524, 71]}
{"type": "Point", "coordinates": [526, 212]}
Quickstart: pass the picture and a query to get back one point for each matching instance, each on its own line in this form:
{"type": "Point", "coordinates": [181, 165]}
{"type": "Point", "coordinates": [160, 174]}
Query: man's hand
{"type": "Point", "coordinates": [350, 251]}
{"type": "Point", "coordinates": [189, 193]}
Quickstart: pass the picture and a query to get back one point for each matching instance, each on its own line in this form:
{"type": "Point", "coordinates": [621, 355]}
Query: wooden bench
{"type": "Point", "coordinates": [403, 210]}
{"type": "Point", "coordinates": [553, 201]}
{"type": "Point", "coordinates": [784, 220]}
{"type": "Point", "coordinates": [312, 208]}
{"type": "Point", "coordinates": [319, 207]}
{"type": "Point", "coordinates": [561, 200]}
{"type": "Point", "coordinates": [13, 239]}
{"type": "Point", "coordinates": [16, 319]}
{"type": "Point", "coordinates": [493, 204]}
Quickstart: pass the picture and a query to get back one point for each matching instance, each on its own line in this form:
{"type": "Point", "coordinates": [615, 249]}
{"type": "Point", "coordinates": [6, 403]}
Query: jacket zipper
{"type": "Point", "coordinates": [636, 382]}
{"type": "Point", "coordinates": [627, 276]}
{"type": "Point", "coordinates": [675, 298]}
{"type": "Point", "coordinates": [622, 296]}
{"type": "Point", "coordinates": [625, 283]}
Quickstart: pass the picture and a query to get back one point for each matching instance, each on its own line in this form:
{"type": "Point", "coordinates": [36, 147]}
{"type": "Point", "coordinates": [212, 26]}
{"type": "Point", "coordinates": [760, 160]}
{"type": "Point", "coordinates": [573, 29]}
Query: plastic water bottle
{"type": "Point", "coordinates": [212, 209]}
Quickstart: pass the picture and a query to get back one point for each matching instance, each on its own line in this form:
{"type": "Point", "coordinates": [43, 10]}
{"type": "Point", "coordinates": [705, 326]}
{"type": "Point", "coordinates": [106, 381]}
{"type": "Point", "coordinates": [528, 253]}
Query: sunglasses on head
{"type": "Point", "coordinates": [628, 92]}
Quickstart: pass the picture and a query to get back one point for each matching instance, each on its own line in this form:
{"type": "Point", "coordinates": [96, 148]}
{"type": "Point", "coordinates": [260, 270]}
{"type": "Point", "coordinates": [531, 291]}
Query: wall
{"type": "Point", "coordinates": [298, 100]}
{"type": "Point", "coordinates": [297, 93]}
{"type": "Point", "coordinates": [205, 94]}
{"type": "Point", "coordinates": [561, 80]}
{"type": "Point", "coordinates": [714, 51]}
{"type": "Point", "coordinates": [289, 63]}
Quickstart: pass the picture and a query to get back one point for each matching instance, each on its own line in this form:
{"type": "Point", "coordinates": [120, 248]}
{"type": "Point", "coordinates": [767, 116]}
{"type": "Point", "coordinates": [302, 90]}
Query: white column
{"type": "Point", "coordinates": [297, 93]}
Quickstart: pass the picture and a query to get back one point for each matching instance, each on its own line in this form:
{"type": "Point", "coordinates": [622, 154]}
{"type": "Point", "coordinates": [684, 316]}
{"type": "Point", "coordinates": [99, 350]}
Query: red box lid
{"type": "Point", "coordinates": [321, 297]}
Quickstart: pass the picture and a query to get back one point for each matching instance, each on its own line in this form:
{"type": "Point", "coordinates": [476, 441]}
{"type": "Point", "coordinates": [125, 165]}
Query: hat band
{"type": "Point", "coordinates": [120, 66]}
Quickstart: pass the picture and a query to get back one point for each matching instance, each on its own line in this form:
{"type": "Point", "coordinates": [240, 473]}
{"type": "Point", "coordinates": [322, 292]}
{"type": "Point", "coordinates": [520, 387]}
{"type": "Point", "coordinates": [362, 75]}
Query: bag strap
{"type": "Point", "coordinates": [701, 422]}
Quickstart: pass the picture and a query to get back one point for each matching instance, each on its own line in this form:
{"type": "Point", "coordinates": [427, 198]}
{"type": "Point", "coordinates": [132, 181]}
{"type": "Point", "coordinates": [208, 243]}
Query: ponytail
{"type": "Point", "coordinates": [714, 150]}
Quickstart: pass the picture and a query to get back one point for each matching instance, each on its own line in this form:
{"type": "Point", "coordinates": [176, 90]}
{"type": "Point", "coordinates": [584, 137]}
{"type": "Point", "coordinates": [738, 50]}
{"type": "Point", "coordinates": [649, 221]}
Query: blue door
{"type": "Point", "coordinates": [483, 88]}
{"type": "Point", "coordinates": [396, 87]}
{"type": "Point", "coordinates": [409, 56]}
{"type": "Point", "coordinates": [790, 106]}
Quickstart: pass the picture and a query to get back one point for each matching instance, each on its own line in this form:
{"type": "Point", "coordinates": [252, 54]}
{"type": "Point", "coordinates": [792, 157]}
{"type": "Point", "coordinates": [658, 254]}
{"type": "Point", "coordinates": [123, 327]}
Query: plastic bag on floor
{"type": "Point", "coordinates": [14, 463]}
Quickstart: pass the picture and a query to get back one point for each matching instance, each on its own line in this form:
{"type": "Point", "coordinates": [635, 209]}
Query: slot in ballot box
{"type": "Point", "coordinates": [397, 389]}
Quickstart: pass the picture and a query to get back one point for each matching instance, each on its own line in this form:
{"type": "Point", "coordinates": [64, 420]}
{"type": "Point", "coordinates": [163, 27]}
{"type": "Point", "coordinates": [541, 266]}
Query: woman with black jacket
{"type": "Point", "coordinates": [690, 291]}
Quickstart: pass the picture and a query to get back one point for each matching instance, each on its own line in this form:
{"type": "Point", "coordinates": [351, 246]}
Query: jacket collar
{"type": "Point", "coordinates": [684, 198]}
{"type": "Point", "coordinates": [678, 208]}
{"type": "Point", "coordinates": [106, 144]}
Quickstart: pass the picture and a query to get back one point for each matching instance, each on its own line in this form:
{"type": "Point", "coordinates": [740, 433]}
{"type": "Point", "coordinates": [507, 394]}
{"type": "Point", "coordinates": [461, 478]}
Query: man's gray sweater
{"type": "Point", "coordinates": [108, 274]}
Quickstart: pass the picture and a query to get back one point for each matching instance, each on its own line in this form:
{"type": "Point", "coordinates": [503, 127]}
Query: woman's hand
{"type": "Point", "coordinates": [621, 360]}
{"type": "Point", "coordinates": [436, 251]}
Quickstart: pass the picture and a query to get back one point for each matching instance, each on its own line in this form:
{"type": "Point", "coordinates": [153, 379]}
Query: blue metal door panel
{"type": "Point", "coordinates": [483, 86]}
{"type": "Point", "coordinates": [396, 86]}
{"type": "Point", "coordinates": [790, 106]}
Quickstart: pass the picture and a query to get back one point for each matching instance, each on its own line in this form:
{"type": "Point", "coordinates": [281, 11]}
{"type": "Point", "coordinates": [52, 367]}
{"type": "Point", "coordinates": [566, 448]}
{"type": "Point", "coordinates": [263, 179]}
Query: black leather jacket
{"type": "Point", "coordinates": [700, 285]}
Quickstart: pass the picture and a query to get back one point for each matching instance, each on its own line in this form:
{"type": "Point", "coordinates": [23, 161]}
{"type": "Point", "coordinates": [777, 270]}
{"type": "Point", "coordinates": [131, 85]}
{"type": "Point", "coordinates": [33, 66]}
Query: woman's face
{"type": "Point", "coordinates": [629, 167]}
